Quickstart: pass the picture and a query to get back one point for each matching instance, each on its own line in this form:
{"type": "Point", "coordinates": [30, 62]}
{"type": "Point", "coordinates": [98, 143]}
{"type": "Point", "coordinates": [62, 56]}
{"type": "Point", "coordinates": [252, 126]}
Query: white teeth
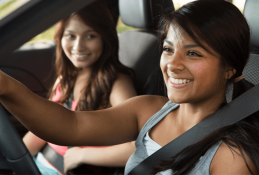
{"type": "Point", "coordinates": [79, 56]}
{"type": "Point", "coordinates": [179, 81]}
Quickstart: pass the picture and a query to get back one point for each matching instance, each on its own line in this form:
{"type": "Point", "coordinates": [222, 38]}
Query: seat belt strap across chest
{"type": "Point", "coordinates": [240, 108]}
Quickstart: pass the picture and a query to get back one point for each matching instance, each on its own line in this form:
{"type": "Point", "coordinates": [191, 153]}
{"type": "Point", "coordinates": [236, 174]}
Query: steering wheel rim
{"type": "Point", "coordinates": [14, 151]}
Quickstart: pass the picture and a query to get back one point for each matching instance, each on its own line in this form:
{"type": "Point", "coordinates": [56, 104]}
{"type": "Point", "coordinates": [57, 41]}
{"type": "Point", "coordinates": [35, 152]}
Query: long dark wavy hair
{"type": "Point", "coordinates": [96, 93]}
{"type": "Point", "coordinates": [223, 28]}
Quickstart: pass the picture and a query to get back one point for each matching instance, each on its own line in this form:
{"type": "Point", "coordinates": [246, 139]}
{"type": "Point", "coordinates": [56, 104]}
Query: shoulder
{"type": "Point", "coordinates": [148, 105]}
{"type": "Point", "coordinates": [229, 160]}
{"type": "Point", "coordinates": [122, 79]}
{"type": "Point", "coordinates": [122, 89]}
{"type": "Point", "coordinates": [141, 107]}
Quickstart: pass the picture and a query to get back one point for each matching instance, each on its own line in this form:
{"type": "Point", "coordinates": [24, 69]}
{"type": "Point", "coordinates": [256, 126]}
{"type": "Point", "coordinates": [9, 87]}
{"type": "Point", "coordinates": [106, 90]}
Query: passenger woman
{"type": "Point", "coordinates": [89, 75]}
{"type": "Point", "coordinates": [205, 49]}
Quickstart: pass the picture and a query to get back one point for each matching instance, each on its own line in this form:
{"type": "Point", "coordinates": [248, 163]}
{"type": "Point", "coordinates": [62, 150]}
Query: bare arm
{"type": "Point", "coordinates": [112, 156]}
{"type": "Point", "coordinates": [54, 123]}
{"type": "Point", "coordinates": [33, 143]}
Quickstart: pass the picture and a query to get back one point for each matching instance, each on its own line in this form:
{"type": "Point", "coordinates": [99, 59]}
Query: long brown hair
{"type": "Point", "coordinates": [98, 87]}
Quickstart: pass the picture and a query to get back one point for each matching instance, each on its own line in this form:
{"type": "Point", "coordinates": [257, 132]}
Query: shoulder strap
{"type": "Point", "coordinates": [53, 157]}
{"type": "Point", "coordinates": [240, 108]}
{"type": "Point", "coordinates": [68, 103]}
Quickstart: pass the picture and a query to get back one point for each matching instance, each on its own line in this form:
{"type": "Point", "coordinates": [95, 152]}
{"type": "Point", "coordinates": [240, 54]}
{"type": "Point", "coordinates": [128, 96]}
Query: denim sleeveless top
{"type": "Point", "coordinates": [201, 167]}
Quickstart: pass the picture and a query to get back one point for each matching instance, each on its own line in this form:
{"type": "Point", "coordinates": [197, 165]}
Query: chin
{"type": "Point", "coordinates": [178, 100]}
{"type": "Point", "coordinates": [80, 66]}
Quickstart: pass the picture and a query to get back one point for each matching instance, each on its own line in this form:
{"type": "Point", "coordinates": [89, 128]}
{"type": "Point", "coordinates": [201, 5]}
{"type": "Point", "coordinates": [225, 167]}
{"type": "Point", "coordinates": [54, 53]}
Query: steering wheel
{"type": "Point", "coordinates": [15, 155]}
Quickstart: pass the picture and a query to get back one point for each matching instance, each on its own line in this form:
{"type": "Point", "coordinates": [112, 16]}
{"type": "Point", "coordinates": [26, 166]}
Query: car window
{"type": "Point", "coordinates": [45, 36]}
{"type": "Point", "coordinates": [121, 27]}
{"type": "Point", "coordinates": [238, 3]}
{"type": "Point", "coordinates": [49, 33]}
{"type": "Point", "coordinates": [8, 6]}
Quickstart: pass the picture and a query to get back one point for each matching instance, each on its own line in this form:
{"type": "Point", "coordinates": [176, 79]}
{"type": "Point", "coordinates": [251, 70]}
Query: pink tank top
{"type": "Point", "coordinates": [62, 149]}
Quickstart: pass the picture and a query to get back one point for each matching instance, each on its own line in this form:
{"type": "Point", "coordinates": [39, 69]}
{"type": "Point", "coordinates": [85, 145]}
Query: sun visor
{"type": "Point", "coordinates": [251, 14]}
{"type": "Point", "coordinates": [142, 14]}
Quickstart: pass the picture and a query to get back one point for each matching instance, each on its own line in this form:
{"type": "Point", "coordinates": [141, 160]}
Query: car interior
{"type": "Point", "coordinates": [139, 49]}
{"type": "Point", "coordinates": [32, 64]}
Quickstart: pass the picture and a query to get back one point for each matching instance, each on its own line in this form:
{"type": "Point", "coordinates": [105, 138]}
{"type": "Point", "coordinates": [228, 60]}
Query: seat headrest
{"type": "Point", "coordinates": [143, 14]}
{"type": "Point", "coordinates": [251, 14]}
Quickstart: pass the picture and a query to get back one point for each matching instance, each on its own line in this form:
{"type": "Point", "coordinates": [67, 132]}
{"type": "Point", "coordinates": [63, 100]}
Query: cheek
{"type": "Point", "coordinates": [197, 68]}
{"type": "Point", "coordinates": [163, 66]}
{"type": "Point", "coordinates": [96, 46]}
{"type": "Point", "coordinates": [65, 46]}
{"type": "Point", "coordinates": [206, 74]}
{"type": "Point", "coordinates": [163, 62]}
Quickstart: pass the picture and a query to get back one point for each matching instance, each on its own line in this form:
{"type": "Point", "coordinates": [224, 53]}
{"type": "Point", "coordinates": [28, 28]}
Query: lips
{"type": "Point", "coordinates": [179, 81]}
{"type": "Point", "coordinates": [79, 55]}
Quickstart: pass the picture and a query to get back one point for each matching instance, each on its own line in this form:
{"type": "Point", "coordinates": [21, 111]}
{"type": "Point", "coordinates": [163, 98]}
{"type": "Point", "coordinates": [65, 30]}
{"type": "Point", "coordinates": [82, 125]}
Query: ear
{"type": "Point", "coordinates": [230, 72]}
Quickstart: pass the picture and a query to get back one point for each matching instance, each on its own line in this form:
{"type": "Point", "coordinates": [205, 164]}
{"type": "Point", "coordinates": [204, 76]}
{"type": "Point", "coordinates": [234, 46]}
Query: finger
{"type": "Point", "coordinates": [65, 167]}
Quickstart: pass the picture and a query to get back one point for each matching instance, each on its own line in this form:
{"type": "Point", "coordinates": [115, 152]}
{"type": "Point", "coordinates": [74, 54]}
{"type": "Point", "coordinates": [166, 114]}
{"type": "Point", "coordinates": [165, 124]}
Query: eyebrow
{"type": "Point", "coordinates": [185, 46]}
{"type": "Point", "coordinates": [169, 42]}
{"type": "Point", "coordinates": [188, 46]}
{"type": "Point", "coordinates": [84, 32]}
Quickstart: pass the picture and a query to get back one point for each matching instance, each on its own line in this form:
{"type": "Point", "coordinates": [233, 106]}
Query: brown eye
{"type": "Point", "coordinates": [91, 36]}
{"type": "Point", "coordinates": [191, 53]}
{"type": "Point", "coordinates": [166, 49]}
{"type": "Point", "coordinates": [70, 36]}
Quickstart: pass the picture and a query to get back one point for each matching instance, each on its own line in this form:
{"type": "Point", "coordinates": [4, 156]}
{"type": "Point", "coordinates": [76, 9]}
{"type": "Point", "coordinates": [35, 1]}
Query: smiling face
{"type": "Point", "coordinates": [82, 44]}
{"type": "Point", "coordinates": [191, 73]}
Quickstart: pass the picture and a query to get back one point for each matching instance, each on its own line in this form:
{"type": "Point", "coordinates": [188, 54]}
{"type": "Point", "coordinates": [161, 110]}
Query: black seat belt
{"type": "Point", "coordinates": [240, 108]}
{"type": "Point", "coordinates": [68, 103]}
{"type": "Point", "coordinates": [54, 158]}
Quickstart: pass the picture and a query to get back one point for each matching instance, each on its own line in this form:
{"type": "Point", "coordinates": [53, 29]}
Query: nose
{"type": "Point", "coordinates": [79, 45]}
{"type": "Point", "coordinates": [176, 62]}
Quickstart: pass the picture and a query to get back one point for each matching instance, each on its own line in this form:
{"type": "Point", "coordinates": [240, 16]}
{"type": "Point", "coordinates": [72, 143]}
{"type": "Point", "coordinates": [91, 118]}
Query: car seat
{"type": "Point", "coordinates": [251, 13]}
{"type": "Point", "coordinates": [139, 49]}
{"type": "Point", "coordinates": [251, 70]}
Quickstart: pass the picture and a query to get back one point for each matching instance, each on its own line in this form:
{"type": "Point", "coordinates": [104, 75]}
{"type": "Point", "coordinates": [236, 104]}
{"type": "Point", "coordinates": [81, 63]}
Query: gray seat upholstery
{"type": "Point", "coordinates": [139, 49]}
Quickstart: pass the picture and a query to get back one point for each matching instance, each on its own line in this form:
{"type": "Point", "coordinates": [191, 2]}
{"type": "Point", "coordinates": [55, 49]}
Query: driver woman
{"type": "Point", "coordinates": [205, 49]}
